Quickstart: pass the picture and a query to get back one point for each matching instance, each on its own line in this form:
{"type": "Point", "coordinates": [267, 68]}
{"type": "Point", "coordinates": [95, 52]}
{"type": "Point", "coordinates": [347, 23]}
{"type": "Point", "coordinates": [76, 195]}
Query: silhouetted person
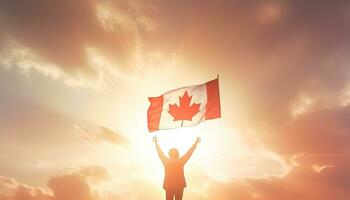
{"type": "Point", "coordinates": [174, 180]}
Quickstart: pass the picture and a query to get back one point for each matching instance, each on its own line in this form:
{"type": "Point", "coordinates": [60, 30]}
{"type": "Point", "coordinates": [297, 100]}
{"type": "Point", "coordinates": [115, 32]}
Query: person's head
{"type": "Point", "coordinates": [173, 153]}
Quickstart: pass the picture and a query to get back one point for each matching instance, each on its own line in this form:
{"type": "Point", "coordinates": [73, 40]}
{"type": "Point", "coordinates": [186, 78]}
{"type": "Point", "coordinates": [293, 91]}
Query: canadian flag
{"type": "Point", "coordinates": [183, 107]}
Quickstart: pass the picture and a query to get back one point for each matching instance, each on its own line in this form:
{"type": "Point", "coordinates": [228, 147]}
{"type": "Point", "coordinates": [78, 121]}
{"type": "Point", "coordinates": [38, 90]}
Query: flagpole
{"type": "Point", "coordinates": [220, 121]}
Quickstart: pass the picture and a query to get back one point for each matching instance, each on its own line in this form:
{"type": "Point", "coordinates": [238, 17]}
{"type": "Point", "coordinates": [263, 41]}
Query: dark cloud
{"type": "Point", "coordinates": [302, 182]}
{"type": "Point", "coordinates": [70, 186]}
{"type": "Point", "coordinates": [299, 183]}
{"type": "Point", "coordinates": [81, 184]}
{"type": "Point", "coordinates": [12, 190]}
{"type": "Point", "coordinates": [60, 31]}
{"type": "Point", "coordinates": [320, 132]}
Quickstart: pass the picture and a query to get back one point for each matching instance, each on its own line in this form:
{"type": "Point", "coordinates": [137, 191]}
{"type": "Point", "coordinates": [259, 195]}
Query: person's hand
{"type": "Point", "coordinates": [198, 140]}
{"type": "Point", "coordinates": [155, 140]}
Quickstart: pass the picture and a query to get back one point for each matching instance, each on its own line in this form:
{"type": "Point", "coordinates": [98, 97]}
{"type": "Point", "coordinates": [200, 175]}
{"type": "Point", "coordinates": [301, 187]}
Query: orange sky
{"type": "Point", "coordinates": [75, 77]}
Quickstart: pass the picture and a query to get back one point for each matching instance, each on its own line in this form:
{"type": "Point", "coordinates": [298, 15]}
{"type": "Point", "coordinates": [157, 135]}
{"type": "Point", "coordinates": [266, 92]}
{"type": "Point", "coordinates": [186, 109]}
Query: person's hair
{"type": "Point", "coordinates": [173, 153]}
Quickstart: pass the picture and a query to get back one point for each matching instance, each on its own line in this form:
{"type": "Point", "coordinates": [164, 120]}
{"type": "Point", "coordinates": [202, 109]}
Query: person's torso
{"type": "Point", "coordinates": [174, 174]}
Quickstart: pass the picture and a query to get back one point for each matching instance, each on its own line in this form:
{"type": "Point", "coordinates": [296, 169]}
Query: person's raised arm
{"type": "Point", "coordinates": [159, 150]}
{"type": "Point", "coordinates": [188, 154]}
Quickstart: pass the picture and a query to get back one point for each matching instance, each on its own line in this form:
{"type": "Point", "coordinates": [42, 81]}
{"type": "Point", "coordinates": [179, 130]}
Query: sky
{"type": "Point", "coordinates": [75, 77]}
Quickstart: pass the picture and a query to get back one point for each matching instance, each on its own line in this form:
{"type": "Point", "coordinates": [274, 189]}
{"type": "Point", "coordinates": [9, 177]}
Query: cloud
{"type": "Point", "coordinates": [96, 183]}
{"type": "Point", "coordinates": [70, 186]}
{"type": "Point", "coordinates": [102, 134]}
{"type": "Point", "coordinates": [95, 173]}
{"type": "Point", "coordinates": [263, 44]}
{"type": "Point", "coordinates": [12, 190]}
{"type": "Point", "coordinates": [86, 183]}
{"type": "Point", "coordinates": [300, 183]}
{"type": "Point", "coordinates": [319, 132]}
{"type": "Point", "coordinates": [54, 37]}
{"type": "Point", "coordinates": [78, 185]}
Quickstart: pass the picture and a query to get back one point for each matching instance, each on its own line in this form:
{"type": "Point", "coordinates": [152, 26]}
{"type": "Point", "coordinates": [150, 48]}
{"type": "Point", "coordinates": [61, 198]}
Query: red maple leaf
{"type": "Point", "coordinates": [184, 111]}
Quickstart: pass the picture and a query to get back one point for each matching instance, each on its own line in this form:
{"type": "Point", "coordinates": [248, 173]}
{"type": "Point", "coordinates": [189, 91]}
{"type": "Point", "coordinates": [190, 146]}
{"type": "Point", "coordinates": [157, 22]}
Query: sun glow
{"type": "Point", "coordinates": [181, 139]}
{"type": "Point", "coordinates": [222, 153]}
{"type": "Point", "coordinates": [226, 151]}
